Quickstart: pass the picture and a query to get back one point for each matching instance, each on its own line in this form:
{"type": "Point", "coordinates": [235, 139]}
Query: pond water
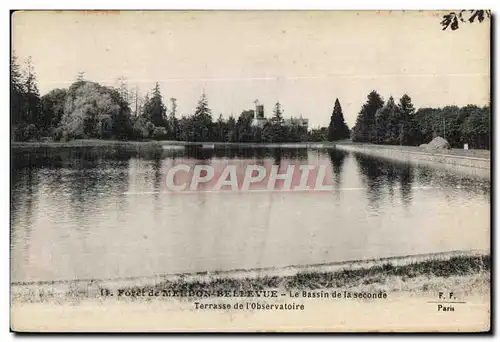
{"type": "Point", "coordinates": [100, 213]}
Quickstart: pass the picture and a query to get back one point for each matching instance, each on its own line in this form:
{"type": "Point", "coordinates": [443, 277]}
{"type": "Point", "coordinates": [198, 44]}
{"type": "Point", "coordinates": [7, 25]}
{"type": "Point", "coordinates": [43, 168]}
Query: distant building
{"type": "Point", "coordinates": [300, 121]}
{"type": "Point", "coordinates": [259, 122]}
{"type": "Point", "coordinates": [259, 118]}
{"type": "Point", "coordinates": [259, 111]}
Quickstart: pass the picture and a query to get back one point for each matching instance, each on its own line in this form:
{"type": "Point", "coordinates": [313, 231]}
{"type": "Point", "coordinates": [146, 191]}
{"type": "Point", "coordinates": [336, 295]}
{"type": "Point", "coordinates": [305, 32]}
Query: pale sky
{"type": "Point", "coordinates": [304, 59]}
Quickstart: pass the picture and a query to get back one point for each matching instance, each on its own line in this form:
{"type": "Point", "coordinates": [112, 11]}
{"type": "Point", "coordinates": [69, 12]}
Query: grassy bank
{"type": "Point", "coordinates": [473, 153]}
{"type": "Point", "coordinates": [475, 163]}
{"type": "Point", "coordinates": [380, 276]}
{"type": "Point", "coordinates": [486, 154]}
{"type": "Point", "coordinates": [463, 272]}
{"type": "Point", "coordinates": [160, 143]}
{"type": "Point", "coordinates": [83, 143]}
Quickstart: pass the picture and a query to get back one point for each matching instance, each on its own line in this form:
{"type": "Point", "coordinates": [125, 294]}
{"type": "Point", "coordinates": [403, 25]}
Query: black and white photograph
{"type": "Point", "coordinates": [250, 171]}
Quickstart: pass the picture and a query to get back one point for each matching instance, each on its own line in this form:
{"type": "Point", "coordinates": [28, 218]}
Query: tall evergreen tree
{"type": "Point", "coordinates": [154, 108]}
{"type": "Point", "coordinates": [202, 110]}
{"type": "Point", "coordinates": [173, 122]}
{"type": "Point", "coordinates": [173, 111]}
{"type": "Point", "coordinates": [16, 92]}
{"type": "Point", "coordinates": [220, 134]}
{"type": "Point", "coordinates": [407, 125]}
{"type": "Point", "coordinates": [365, 130]}
{"type": "Point", "coordinates": [278, 113]}
{"type": "Point", "coordinates": [202, 120]}
{"type": "Point", "coordinates": [32, 103]}
{"type": "Point", "coordinates": [144, 101]}
{"type": "Point", "coordinates": [80, 77]}
{"type": "Point", "coordinates": [123, 88]}
{"type": "Point", "coordinates": [337, 129]}
{"type": "Point", "coordinates": [387, 125]}
{"type": "Point", "coordinates": [276, 130]}
{"type": "Point", "coordinates": [231, 135]}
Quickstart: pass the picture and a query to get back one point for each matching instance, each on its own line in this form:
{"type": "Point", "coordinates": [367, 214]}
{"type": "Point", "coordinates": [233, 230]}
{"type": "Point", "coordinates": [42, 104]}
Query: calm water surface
{"type": "Point", "coordinates": [90, 213]}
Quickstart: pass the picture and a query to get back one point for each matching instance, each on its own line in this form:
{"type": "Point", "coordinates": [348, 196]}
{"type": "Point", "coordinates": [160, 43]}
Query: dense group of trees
{"type": "Point", "coordinates": [25, 103]}
{"type": "Point", "coordinates": [399, 123]}
{"type": "Point", "coordinates": [84, 110]}
{"type": "Point", "coordinates": [87, 110]}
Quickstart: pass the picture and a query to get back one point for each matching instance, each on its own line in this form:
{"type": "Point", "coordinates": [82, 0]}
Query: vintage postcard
{"type": "Point", "coordinates": [250, 171]}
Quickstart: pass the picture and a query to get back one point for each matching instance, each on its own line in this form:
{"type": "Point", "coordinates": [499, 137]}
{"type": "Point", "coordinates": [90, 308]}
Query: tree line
{"type": "Point", "coordinates": [392, 123]}
{"type": "Point", "coordinates": [89, 110]}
